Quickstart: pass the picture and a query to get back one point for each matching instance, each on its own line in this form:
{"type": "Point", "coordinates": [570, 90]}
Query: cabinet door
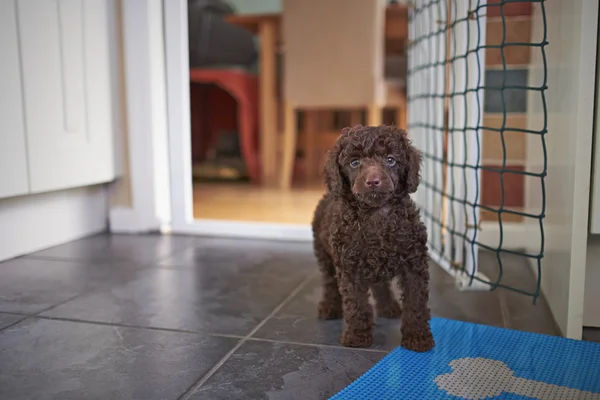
{"type": "Point", "coordinates": [13, 157]}
{"type": "Point", "coordinates": [67, 91]}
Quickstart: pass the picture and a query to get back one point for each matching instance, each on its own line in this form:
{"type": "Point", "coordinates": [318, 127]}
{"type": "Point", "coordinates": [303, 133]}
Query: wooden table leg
{"type": "Point", "coordinates": [374, 117]}
{"type": "Point", "coordinates": [311, 167]}
{"type": "Point", "coordinates": [290, 137]}
{"type": "Point", "coordinates": [268, 103]}
{"type": "Point", "coordinates": [355, 118]}
{"type": "Point", "coordinates": [402, 114]}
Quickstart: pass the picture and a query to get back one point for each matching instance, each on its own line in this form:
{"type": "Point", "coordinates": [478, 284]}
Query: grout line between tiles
{"type": "Point", "coordinates": [154, 328]}
{"type": "Point", "coordinates": [154, 265]}
{"type": "Point", "coordinates": [119, 325]}
{"type": "Point", "coordinates": [100, 261]}
{"type": "Point", "coordinates": [325, 346]}
{"type": "Point", "coordinates": [135, 264]}
{"type": "Point", "coordinates": [183, 248]}
{"type": "Point", "coordinates": [37, 314]}
{"type": "Point", "coordinates": [194, 388]}
{"type": "Point", "coordinates": [160, 258]}
{"type": "Point", "coordinates": [56, 305]}
{"type": "Point", "coordinates": [20, 314]}
{"type": "Point", "coordinates": [14, 323]}
{"type": "Point", "coordinates": [64, 259]}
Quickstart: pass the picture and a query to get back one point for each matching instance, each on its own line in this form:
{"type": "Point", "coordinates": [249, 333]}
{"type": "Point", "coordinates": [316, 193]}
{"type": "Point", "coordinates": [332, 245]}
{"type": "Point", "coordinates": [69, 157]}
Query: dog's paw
{"type": "Point", "coordinates": [420, 342]}
{"type": "Point", "coordinates": [330, 311]}
{"type": "Point", "coordinates": [391, 310]}
{"type": "Point", "coordinates": [357, 339]}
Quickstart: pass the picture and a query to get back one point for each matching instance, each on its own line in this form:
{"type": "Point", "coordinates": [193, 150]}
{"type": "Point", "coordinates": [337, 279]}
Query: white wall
{"type": "Point", "coordinates": [35, 222]}
{"type": "Point", "coordinates": [571, 55]}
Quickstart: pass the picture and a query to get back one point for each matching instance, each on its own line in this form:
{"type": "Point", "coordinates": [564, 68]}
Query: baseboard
{"type": "Point", "coordinates": [127, 220]}
{"type": "Point", "coordinates": [35, 222]}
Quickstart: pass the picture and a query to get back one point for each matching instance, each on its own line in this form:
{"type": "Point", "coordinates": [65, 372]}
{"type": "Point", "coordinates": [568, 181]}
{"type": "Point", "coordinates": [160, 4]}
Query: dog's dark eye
{"type": "Point", "coordinates": [355, 163]}
{"type": "Point", "coordinates": [391, 161]}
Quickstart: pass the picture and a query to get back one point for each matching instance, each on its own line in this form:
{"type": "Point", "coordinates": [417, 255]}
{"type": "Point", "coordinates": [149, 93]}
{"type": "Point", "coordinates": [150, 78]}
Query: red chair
{"type": "Point", "coordinates": [243, 87]}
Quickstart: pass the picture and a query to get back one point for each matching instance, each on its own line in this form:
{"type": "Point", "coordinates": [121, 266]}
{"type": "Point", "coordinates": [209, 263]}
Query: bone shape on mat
{"type": "Point", "coordinates": [482, 378]}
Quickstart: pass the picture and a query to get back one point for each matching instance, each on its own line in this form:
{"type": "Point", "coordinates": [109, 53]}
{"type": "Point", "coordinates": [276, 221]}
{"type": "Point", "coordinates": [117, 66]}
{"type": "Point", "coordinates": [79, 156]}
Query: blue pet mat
{"type": "Point", "coordinates": [473, 361]}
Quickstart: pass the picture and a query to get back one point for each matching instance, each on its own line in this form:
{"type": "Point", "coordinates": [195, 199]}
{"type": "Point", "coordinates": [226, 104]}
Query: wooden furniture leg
{"type": "Point", "coordinates": [402, 114]}
{"type": "Point", "coordinates": [268, 102]}
{"type": "Point", "coordinates": [355, 117]}
{"type": "Point", "coordinates": [374, 115]}
{"type": "Point", "coordinates": [310, 145]}
{"type": "Point", "coordinates": [326, 118]}
{"type": "Point", "coordinates": [290, 127]}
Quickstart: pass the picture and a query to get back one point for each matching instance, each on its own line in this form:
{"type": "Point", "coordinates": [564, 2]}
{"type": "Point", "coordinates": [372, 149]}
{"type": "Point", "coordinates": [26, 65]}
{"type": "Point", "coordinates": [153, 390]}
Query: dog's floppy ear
{"type": "Point", "coordinates": [413, 167]}
{"type": "Point", "coordinates": [331, 170]}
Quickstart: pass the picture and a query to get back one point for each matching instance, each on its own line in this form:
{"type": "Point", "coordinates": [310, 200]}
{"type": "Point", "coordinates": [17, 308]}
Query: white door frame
{"type": "Point", "coordinates": [146, 161]}
{"type": "Point", "coordinates": [178, 110]}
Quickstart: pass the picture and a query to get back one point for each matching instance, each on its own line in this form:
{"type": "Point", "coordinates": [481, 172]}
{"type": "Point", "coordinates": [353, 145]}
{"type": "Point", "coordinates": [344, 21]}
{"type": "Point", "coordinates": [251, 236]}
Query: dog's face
{"type": "Point", "coordinates": [372, 164]}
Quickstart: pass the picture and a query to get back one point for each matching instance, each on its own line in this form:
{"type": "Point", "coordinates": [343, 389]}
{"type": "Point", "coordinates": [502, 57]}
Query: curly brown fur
{"type": "Point", "coordinates": [367, 231]}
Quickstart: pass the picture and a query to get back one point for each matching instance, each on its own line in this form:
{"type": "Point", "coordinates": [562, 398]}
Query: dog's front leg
{"type": "Point", "coordinates": [414, 283]}
{"type": "Point", "coordinates": [358, 313]}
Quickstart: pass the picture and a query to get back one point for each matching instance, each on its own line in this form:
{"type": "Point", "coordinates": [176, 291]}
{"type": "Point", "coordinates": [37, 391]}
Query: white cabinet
{"type": "Point", "coordinates": [13, 156]}
{"type": "Point", "coordinates": [56, 114]}
{"type": "Point", "coordinates": [65, 61]}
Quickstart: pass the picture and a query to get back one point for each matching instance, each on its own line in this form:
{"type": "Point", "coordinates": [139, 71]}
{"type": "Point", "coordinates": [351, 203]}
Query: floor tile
{"type": "Point", "coordinates": [591, 334]}
{"type": "Point", "coordinates": [43, 359]}
{"type": "Point", "coordinates": [32, 285]}
{"type": "Point", "coordinates": [8, 319]}
{"type": "Point", "coordinates": [205, 285]}
{"type": "Point", "coordinates": [206, 251]}
{"type": "Point", "coordinates": [227, 298]}
{"type": "Point", "coordinates": [529, 317]}
{"type": "Point", "coordinates": [479, 307]}
{"type": "Point", "coordinates": [261, 370]}
{"type": "Point", "coordinates": [105, 247]}
{"type": "Point", "coordinates": [517, 273]}
{"type": "Point", "coordinates": [298, 322]}
{"type": "Point", "coordinates": [438, 276]}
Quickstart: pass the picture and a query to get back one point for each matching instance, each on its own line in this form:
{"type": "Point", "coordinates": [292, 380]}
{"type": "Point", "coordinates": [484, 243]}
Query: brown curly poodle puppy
{"type": "Point", "coordinates": [367, 231]}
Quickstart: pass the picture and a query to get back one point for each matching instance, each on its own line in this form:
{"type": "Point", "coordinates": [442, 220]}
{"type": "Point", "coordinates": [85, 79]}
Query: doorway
{"type": "Point", "coordinates": [214, 185]}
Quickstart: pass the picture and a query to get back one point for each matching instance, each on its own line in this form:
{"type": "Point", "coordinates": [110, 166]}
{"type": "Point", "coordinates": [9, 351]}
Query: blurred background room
{"type": "Point", "coordinates": [271, 85]}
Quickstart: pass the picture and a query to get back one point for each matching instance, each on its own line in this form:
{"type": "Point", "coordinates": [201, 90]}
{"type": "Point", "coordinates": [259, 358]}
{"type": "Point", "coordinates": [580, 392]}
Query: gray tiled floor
{"type": "Point", "coordinates": [151, 317]}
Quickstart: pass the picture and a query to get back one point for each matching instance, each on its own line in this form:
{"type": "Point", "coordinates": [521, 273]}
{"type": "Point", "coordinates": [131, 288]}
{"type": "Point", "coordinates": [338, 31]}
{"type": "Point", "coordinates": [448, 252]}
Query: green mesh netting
{"type": "Point", "coordinates": [446, 95]}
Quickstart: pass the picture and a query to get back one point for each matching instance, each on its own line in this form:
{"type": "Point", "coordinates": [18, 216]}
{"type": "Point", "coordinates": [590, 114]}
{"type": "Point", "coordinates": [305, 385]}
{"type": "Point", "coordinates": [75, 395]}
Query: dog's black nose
{"type": "Point", "coordinates": [373, 181]}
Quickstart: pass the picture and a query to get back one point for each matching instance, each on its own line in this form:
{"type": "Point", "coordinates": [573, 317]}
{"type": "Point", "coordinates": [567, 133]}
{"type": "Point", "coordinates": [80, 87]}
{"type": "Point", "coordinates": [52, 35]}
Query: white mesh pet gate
{"type": "Point", "coordinates": [445, 93]}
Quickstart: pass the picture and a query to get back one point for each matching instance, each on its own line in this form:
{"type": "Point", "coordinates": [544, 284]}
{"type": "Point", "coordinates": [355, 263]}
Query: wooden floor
{"type": "Point", "coordinates": [246, 202]}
